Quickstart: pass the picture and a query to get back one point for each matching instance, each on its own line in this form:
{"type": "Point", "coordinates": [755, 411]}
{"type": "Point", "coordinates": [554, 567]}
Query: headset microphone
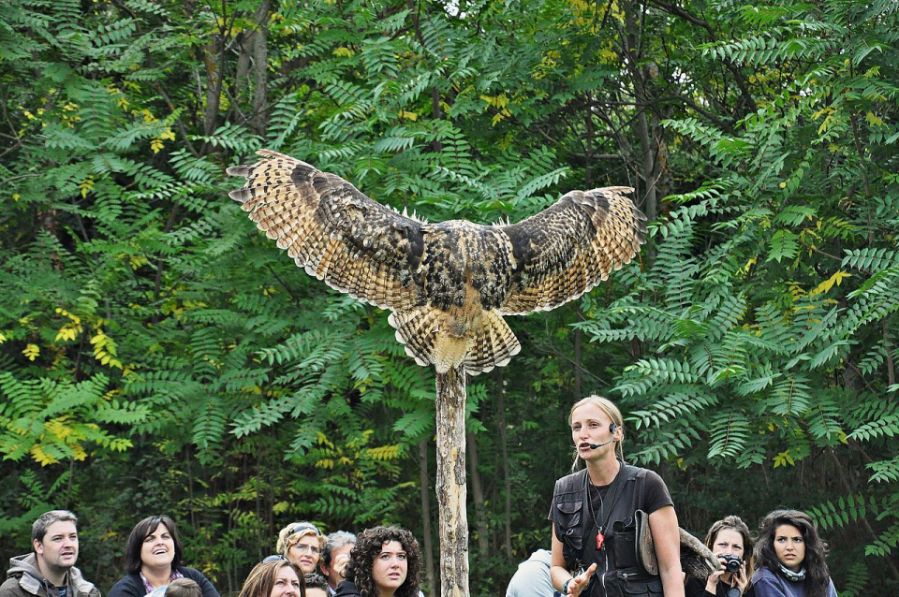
{"type": "Point", "coordinates": [594, 446]}
{"type": "Point", "coordinates": [612, 428]}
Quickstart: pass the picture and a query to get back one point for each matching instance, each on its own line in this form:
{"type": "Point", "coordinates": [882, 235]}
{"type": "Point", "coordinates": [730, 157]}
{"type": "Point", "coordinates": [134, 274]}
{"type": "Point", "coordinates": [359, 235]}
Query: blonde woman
{"type": "Point", "coordinates": [277, 578]}
{"type": "Point", "coordinates": [301, 544]}
{"type": "Point", "coordinates": [594, 513]}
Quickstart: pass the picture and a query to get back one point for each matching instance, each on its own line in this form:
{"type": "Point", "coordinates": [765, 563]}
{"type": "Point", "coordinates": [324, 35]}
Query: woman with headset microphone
{"type": "Point", "coordinates": [596, 512]}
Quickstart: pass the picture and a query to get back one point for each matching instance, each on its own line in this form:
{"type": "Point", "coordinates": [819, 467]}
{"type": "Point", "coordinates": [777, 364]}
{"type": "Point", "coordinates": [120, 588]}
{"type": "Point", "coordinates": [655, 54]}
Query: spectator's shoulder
{"type": "Point", "coordinates": [347, 589]}
{"type": "Point", "coordinates": [767, 584]}
{"type": "Point", "coordinates": [10, 587]}
{"type": "Point", "coordinates": [82, 586]}
{"type": "Point", "coordinates": [127, 586]}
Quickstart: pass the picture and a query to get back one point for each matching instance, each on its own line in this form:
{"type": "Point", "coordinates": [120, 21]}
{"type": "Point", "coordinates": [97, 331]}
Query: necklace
{"type": "Point", "coordinates": [600, 537]}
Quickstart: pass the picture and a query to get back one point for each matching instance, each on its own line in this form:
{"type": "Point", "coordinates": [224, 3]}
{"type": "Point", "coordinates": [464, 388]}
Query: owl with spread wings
{"type": "Point", "coordinates": [447, 285]}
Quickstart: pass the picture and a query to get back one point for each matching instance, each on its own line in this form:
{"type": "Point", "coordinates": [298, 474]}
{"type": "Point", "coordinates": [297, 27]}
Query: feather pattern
{"type": "Point", "coordinates": [446, 284]}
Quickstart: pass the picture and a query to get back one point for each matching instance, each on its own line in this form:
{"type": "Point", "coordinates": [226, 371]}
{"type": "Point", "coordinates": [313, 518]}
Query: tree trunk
{"type": "Point", "coordinates": [451, 488]}
{"type": "Point", "coordinates": [504, 464]}
{"type": "Point", "coordinates": [260, 68]}
{"type": "Point", "coordinates": [427, 543]}
{"type": "Point", "coordinates": [645, 123]}
{"type": "Point", "coordinates": [212, 60]}
{"type": "Point", "coordinates": [477, 493]}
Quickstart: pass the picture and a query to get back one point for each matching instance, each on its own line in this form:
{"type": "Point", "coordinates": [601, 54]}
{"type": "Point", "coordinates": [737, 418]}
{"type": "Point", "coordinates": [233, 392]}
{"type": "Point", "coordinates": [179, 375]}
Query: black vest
{"type": "Point", "coordinates": [618, 572]}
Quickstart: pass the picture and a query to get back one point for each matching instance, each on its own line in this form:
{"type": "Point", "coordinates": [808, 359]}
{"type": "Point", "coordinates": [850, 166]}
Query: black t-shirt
{"type": "Point", "coordinates": [602, 502]}
{"type": "Point", "coordinates": [655, 495]}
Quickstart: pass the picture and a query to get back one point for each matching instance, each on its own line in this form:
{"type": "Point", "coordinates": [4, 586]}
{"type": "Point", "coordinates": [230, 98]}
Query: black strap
{"type": "Point", "coordinates": [614, 491]}
{"type": "Point", "coordinates": [588, 552]}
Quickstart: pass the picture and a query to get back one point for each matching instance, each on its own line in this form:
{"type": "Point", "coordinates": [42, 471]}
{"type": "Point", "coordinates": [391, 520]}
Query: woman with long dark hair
{"type": "Point", "coordinates": [596, 514]}
{"type": "Point", "coordinates": [791, 558]}
{"type": "Point", "coordinates": [153, 559]}
{"type": "Point", "coordinates": [385, 562]}
{"type": "Point", "coordinates": [730, 541]}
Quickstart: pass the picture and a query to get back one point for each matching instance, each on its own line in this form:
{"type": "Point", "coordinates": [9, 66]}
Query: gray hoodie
{"type": "Point", "coordinates": [24, 579]}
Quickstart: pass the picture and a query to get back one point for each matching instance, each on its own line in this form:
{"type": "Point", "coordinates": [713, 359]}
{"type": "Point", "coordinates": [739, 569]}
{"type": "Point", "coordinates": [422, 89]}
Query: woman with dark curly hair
{"type": "Point", "coordinates": [790, 558]}
{"type": "Point", "coordinates": [385, 562]}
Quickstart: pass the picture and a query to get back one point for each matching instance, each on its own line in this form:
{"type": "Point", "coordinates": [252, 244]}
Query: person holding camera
{"type": "Point", "coordinates": [730, 541]}
{"type": "Point", "coordinates": [594, 516]}
{"type": "Point", "coordinates": [791, 558]}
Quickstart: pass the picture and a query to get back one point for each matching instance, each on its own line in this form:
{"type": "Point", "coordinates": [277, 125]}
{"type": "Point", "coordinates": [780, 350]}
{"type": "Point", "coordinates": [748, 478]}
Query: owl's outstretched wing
{"type": "Point", "coordinates": [333, 231]}
{"type": "Point", "coordinates": [570, 247]}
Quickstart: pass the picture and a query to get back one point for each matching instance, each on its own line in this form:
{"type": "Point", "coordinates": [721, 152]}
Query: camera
{"type": "Point", "coordinates": [731, 563]}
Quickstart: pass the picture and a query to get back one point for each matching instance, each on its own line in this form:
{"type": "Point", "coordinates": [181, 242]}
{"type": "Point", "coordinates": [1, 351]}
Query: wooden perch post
{"type": "Point", "coordinates": [451, 485]}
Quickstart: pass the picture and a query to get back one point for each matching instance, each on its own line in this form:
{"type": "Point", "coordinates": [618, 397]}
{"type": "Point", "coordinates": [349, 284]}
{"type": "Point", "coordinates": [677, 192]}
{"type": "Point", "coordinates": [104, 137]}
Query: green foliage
{"type": "Point", "coordinates": [157, 353]}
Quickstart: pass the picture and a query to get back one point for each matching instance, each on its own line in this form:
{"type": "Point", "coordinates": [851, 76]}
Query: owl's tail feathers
{"type": "Point", "coordinates": [416, 330]}
{"type": "Point", "coordinates": [424, 332]}
{"type": "Point", "coordinates": [494, 344]}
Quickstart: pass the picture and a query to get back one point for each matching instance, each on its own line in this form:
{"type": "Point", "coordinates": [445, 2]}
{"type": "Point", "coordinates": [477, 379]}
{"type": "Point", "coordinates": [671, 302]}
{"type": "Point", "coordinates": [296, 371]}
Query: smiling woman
{"type": "Point", "coordinates": [153, 558]}
{"type": "Point", "coordinates": [278, 578]}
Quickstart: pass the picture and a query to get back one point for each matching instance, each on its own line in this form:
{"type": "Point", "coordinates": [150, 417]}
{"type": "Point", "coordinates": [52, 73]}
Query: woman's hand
{"type": "Point", "coordinates": [711, 584]}
{"type": "Point", "coordinates": [742, 580]}
{"type": "Point", "coordinates": [581, 581]}
{"type": "Point", "coordinates": [733, 579]}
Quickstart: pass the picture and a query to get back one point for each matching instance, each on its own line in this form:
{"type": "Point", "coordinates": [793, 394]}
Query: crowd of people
{"type": "Point", "coordinates": [603, 512]}
{"type": "Point", "coordinates": [614, 533]}
{"type": "Point", "coordinates": [380, 562]}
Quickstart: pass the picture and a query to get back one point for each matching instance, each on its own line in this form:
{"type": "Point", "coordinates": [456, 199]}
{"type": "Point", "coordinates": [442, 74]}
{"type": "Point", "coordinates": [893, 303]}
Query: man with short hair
{"type": "Point", "coordinates": [335, 557]}
{"type": "Point", "coordinates": [49, 570]}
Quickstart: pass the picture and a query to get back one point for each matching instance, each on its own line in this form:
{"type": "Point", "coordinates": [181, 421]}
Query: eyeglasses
{"type": "Point", "coordinates": [302, 548]}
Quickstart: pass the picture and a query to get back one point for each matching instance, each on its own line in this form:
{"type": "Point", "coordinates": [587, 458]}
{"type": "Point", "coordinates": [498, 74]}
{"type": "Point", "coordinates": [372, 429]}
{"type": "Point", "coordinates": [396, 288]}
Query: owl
{"type": "Point", "coordinates": [447, 285]}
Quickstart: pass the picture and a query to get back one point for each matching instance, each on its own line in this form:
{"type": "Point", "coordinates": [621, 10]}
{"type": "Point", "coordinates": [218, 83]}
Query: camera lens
{"type": "Point", "coordinates": [732, 563]}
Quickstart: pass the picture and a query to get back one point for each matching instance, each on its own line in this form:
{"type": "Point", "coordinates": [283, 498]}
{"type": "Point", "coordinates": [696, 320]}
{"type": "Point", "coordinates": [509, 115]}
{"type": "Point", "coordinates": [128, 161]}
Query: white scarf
{"type": "Point", "coordinates": [793, 576]}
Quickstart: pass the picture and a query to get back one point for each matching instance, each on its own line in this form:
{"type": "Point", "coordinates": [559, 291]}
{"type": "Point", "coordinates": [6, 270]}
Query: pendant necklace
{"type": "Point", "coordinates": [600, 538]}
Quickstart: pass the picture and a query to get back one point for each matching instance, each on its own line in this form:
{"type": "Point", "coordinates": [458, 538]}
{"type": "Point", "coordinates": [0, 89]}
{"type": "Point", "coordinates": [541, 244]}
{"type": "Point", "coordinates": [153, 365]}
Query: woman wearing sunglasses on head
{"type": "Point", "coordinates": [301, 544]}
{"type": "Point", "coordinates": [790, 558]}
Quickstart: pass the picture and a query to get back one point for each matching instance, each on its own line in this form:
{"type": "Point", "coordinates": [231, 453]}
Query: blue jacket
{"type": "Point", "coordinates": [770, 584]}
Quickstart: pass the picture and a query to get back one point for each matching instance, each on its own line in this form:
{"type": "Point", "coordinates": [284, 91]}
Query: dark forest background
{"type": "Point", "coordinates": [157, 354]}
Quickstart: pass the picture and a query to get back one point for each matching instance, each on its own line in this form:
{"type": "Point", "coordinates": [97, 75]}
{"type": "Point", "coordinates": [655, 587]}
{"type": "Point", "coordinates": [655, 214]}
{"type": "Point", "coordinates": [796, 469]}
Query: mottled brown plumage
{"type": "Point", "coordinates": [448, 284]}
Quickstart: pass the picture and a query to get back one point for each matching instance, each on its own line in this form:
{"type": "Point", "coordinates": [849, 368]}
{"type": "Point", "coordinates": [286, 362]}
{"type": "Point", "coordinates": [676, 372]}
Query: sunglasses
{"type": "Point", "coordinates": [303, 526]}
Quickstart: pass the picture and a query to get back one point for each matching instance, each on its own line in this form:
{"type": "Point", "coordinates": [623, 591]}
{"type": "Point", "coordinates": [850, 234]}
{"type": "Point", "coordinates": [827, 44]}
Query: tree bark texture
{"type": "Point", "coordinates": [504, 463]}
{"type": "Point", "coordinates": [451, 487]}
{"type": "Point", "coordinates": [212, 58]}
{"type": "Point", "coordinates": [260, 68]}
